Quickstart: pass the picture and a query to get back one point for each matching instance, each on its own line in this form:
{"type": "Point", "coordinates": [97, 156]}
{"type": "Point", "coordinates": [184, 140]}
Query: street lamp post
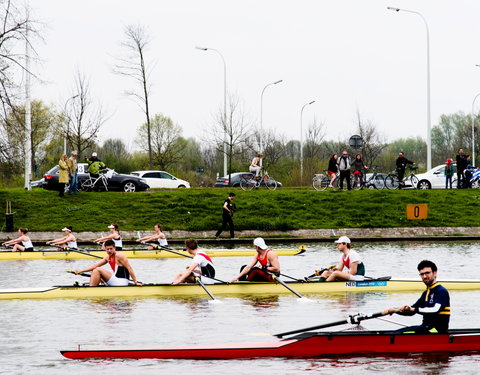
{"type": "Point", "coordinates": [301, 138]}
{"type": "Point", "coordinates": [68, 124]}
{"type": "Point", "coordinates": [429, 130]}
{"type": "Point", "coordinates": [261, 112]}
{"type": "Point", "coordinates": [224, 105]}
{"type": "Point", "coordinates": [473, 128]}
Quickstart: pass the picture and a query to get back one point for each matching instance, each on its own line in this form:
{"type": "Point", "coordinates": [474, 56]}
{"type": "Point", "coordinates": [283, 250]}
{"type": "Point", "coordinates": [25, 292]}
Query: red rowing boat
{"type": "Point", "coordinates": [310, 344]}
{"type": "Point", "coordinates": [305, 343]}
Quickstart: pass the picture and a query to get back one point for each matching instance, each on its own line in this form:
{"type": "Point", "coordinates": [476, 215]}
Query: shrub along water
{"type": "Point", "coordinates": [201, 209]}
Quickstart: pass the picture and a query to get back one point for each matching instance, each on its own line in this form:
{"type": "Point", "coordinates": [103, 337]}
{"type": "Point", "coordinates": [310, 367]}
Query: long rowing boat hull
{"type": "Point", "coordinates": [239, 289]}
{"type": "Point", "coordinates": [131, 254]}
{"type": "Point", "coordinates": [306, 345]}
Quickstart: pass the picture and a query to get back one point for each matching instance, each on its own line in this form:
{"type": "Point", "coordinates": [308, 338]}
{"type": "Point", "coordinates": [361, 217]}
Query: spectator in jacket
{"type": "Point", "coordinates": [401, 164]}
{"type": "Point", "coordinates": [344, 168]}
{"type": "Point", "coordinates": [448, 173]}
{"type": "Point", "coordinates": [62, 174]}
{"type": "Point", "coordinates": [73, 171]}
{"type": "Point", "coordinates": [332, 169]}
{"type": "Point", "coordinates": [95, 165]}
{"type": "Point", "coordinates": [359, 166]}
{"type": "Point", "coordinates": [461, 160]}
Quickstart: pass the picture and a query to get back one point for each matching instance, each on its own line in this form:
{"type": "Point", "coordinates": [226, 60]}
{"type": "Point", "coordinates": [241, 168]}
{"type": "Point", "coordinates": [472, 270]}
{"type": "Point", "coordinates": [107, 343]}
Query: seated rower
{"type": "Point", "coordinates": [201, 266]}
{"type": "Point", "coordinates": [22, 243]}
{"type": "Point", "coordinates": [67, 242]}
{"type": "Point", "coordinates": [268, 260]}
{"type": "Point", "coordinates": [158, 236]}
{"type": "Point", "coordinates": [121, 268]}
{"type": "Point", "coordinates": [350, 267]}
{"type": "Point", "coordinates": [114, 235]}
{"type": "Point", "coordinates": [433, 304]}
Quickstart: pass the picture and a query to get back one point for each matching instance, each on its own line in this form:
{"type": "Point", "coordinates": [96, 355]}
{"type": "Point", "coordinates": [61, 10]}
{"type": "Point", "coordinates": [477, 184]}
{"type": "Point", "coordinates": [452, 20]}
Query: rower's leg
{"type": "Point", "coordinates": [18, 247]}
{"type": "Point", "coordinates": [99, 274]}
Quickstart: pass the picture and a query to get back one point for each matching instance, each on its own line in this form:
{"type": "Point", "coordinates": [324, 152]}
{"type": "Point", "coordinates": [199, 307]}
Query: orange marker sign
{"type": "Point", "coordinates": [417, 211]}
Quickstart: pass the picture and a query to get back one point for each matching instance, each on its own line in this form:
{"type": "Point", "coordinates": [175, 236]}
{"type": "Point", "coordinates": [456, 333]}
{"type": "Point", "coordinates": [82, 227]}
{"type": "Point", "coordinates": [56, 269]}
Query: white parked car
{"type": "Point", "coordinates": [435, 178]}
{"type": "Point", "coordinates": [161, 179]}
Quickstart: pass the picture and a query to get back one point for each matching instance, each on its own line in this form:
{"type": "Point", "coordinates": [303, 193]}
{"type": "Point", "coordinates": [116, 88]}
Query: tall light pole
{"type": "Point", "coordinates": [28, 114]}
{"type": "Point", "coordinates": [429, 126]}
{"type": "Point", "coordinates": [68, 124]}
{"type": "Point", "coordinates": [224, 106]}
{"type": "Point", "coordinates": [261, 111]}
{"type": "Point", "coordinates": [301, 138]}
{"type": "Point", "coordinates": [473, 128]}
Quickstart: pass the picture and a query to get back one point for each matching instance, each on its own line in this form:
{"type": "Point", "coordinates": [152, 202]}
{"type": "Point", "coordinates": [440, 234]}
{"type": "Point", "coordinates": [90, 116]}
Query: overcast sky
{"type": "Point", "coordinates": [344, 54]}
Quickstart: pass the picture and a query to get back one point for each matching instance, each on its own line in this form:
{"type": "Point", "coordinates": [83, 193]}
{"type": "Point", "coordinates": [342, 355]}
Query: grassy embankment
{"type": "Point", "coordinates": [200, 209]}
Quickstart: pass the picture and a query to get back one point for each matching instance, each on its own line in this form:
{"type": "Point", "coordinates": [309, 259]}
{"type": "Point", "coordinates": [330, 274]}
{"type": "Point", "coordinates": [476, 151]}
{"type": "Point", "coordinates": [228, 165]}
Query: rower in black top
{"type": "Point", "coordinates": [227, 216]}
{"type": "Point", "coordinates": [434, 303]}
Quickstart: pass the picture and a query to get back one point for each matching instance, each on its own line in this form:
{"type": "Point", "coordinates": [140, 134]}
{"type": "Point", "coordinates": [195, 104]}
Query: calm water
{"type": "Point", "coordinates": [33, 332]}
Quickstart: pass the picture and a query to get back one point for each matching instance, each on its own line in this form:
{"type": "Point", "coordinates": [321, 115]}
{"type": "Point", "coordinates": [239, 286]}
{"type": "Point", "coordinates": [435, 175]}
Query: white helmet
{"type": "Point", "coordinates": [94, 154]}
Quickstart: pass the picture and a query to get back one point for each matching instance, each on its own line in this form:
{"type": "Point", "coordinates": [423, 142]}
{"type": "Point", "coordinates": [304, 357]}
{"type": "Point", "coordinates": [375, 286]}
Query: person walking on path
{"type": "Point", "coordinates": [448, 173]}
{"type": "Point", "coordinates": [73, 171]}
{"type": "Point", "coordinates": [461, 160]}
{"type": "Point", "coordinates": [62, 174]}
{"type": "Point", "coordinates": [227, 216]}
{"type": "Point", "coordinates": [344, 168]}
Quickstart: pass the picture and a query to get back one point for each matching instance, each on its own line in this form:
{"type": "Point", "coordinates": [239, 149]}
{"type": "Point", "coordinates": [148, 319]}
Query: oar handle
{"type": "Point", "coordinates": [352, 319]}
{"type": "Point", "coordinates": [80, 273]}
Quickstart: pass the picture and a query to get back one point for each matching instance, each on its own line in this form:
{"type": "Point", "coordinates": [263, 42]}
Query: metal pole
{"type": "Point", "coordinates": [68, 124]}
{"type": "Point", "coordinates": [429, 130]}
{"type": "Point", "coordinates": [261, 113]}
{"type": "Point", "coordinates": [224, 106]}
{"type": "Point", "coordinates": [28, 115]}
{"type": "Point", "coordinates": [473, 129]}
{"type": "Point", "coordinates": [301, 139]}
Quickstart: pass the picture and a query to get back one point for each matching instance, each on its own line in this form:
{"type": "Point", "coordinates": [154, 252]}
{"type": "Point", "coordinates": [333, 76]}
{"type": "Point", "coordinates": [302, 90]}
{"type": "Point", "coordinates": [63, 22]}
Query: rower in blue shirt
{"type": "Point", "coordinates": [433, 304]}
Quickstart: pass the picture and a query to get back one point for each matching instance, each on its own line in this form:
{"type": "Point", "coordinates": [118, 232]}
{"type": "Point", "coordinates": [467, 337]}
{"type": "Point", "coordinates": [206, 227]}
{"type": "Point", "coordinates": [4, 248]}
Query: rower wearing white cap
{"type": "Point", "coordinates": [268, 260]}
{"type": "Point", "coordinates": [68, 241]}
{"type": "Point", "coordinates": [114, 236]}
{"type": "Point", "coordinates": [350, 266]}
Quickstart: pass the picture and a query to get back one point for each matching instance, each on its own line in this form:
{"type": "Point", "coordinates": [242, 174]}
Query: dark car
{"type": "Point", "coordinates": [236, 177]}
{"type": "Point", "coordinates": [117, 182]}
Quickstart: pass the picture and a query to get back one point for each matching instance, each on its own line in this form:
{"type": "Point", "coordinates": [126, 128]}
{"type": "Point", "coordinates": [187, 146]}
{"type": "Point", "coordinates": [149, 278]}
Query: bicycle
{"type": "Point", "coordinates": [375, 181]}
{"type": "Point", "coordinates": [89, 183]}
{"type": "Point", "coordinates": [321, 182]}
{"type": "Point", "coordinates": [250, 183]}
{"type": "Point", "coordinates": [392, 181]}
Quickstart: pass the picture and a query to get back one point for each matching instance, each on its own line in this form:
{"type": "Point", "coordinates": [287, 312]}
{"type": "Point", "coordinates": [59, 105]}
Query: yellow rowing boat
{"type": "Point", "coordinates": [138, 254]}
{"type": "Point", "coordinates": [239, 289]}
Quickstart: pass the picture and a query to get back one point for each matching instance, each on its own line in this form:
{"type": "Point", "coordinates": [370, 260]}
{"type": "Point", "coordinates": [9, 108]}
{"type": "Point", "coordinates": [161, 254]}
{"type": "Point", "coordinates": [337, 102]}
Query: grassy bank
{"type": "Point", "coordinates": [200, 209]}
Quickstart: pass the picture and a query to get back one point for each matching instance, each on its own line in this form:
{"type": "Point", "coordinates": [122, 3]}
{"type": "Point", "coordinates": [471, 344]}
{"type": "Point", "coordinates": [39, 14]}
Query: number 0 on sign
{"type": "Point", "coordinates": [417, 211]}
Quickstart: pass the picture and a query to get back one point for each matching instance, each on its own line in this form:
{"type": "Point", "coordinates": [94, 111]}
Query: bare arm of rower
{"type": "Point", "coordinates": [13, 242]}
{"type": "Point", "coordinates": [112, 236]}
{"type": "Point", "coordinates": [353, 268]}
{"type": "Point", "coordinates": [93, 266]}
{"type": "Point", "coordinates": [123, 260]}
{"type": "Point", "coordinates": [273, 260]}
{"type": "Point", "coordinates": [180, 278]}
{"type": "Point", "coordinates": [246, 269]}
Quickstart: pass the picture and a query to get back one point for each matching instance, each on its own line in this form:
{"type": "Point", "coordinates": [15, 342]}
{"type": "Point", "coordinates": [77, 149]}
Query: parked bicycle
{"type": "Point", "coordinates": [375, 181]}
{"type": "Point", "coordinates": [250, 183]}
{"type": "Point", "coordinates": [411, 181]}
{"type": "Point", "coordinates": [90, 183]}
{"type": "Point", "coordinates": [321, 181]}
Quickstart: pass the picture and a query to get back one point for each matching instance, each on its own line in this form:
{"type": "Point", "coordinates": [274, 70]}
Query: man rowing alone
{"type": "Point", "coordinates": [201, 266]}
{"type": "Point", "coordinates": [68, 241]}
{"type": "Point", "coordinates": [350, 267]}
{"type": "Point", "coordinates": [121, 272]}
{"type": "Point", "coordinates": [158, 236]}
{"type": "Point", "coordinates": [268, 260]}
{"type": "Point", "coordinates": [433, 304]}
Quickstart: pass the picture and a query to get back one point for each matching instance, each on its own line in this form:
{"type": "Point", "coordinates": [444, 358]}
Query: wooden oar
{"type": "Point", "coordinates": [84, 253]}
{"type": "Point", "coordinates": [352, 319]}
{"type": "Point", "coordinates": [274, 277]}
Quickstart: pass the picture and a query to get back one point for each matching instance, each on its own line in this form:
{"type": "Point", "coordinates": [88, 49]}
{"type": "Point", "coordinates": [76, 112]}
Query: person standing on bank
{"type": "Point", "coordinates": [448, 173]}
{"type": "Point", "coordinates": [73, 171]}
{"type": "Point", "coordinates": [433, 304]}
{"type": "Point", "coordinates": [332, 169]}
{"type": "Point", "coordinates": [461, 160]}
{"type": "Point", "coordinates": [62, 174]}
{"type": "Point", "coordinates": [344, 168]}
{"type": "Point", "coordinates": [401, 164]}
{"type": "Point", "coordinates": [227, 216]}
